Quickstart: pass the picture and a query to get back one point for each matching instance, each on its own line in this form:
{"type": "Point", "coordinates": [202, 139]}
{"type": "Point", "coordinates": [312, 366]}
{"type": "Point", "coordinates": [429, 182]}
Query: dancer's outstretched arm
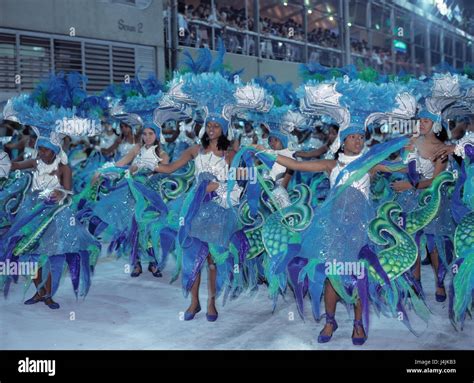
{"type": "Point", "coordinates": [125, 160]}
{"type": "Point", "coordinates": [187, 156]}
{"type": "Point", "coordinates": [306, 166]}
{"type": "Point", "coordinates": [23, 165]}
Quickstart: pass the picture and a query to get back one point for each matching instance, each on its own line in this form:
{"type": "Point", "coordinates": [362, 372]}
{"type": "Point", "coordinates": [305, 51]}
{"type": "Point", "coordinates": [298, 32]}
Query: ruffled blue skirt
{"type": "Point", "coordinates": [214, 224]}
{"type": "Point", "coordinates": [64, 234]}
{"type": "Point", "coordinates": [339, 228]}
{"type": "Point", "coordinates": [116, 208]}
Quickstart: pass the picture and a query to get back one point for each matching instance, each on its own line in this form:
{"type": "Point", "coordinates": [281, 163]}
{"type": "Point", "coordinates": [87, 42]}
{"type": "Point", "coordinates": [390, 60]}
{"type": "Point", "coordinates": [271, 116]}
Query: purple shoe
{"type": "Point", "coordinates": [157, 272]}
{"type": "Point", "coordinates": [188, 315]}
{"type": "Point", "coordinates": [330, 319]}
{"type": "Point", "coordinates": [211, 317]}
{"type": "Point", "coordinates": [33, 300]}
{"type": "Point", "coordinates": [440, 297]}
{"type": "Point", "coordinates": [137, 270]}
{"type": "Point", "coordinates": [359, 341]}
{"type": "Point", "coordinates": [52, 305]}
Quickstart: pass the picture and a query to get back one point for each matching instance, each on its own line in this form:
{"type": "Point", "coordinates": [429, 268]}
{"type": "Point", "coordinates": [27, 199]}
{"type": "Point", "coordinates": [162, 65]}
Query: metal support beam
{"type": "Point", "coordinates": [213, 27]}
{"type": "Point", "coordinates": [256, 29]}
{"type": "Point", "coordinates": [305, 31]}
{"type": "Point", "coordinates": [428, 49]}
{"type": "Point", "coordinates": [392, 46]}
{"type": "Point", "coordinates": [346, 29]}
{"type": "Point", "coordinates": [368, 17]}
{"type": "Point", "coordinates": [412, 42]}
{"type": "Point", "coordinates": [173, 17]}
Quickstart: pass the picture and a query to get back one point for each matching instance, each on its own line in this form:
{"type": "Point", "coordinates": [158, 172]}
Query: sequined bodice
{"type": "Point", "coordinates": [124, 148]}
{"type": "Point", "coordinates": [147, 158]}
{"type": "Point", "coordinates": [210, 163]}
{"type": "Point", "coordinates": [278, 170]}
{"type": "Point", "coordinates": [424, 166]}
{"type": "Point", "coordinates": [363, 184]}
{"type": "Point", "coordinates": [42, 178]}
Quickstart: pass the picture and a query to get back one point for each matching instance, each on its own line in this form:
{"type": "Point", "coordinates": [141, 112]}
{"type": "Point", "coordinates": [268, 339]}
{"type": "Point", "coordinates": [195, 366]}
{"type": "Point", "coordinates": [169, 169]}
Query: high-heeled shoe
{"type": "Point", "coordinates": [358, 341]}
{"type": "Point", "coordinates": [48, 301]}
{"type": "Point", "coordinates": [157, 272]}
{"type": "Point", "coordinates": [440, 297]}
{"type": "Point", "coordinates": [137, 270]}
{"type": "Point", "coordinates": [34, 299]}
{"type": "Point", "coordinates": [330, 319]}
{"type": "Point", "coordinates": [189, 315]}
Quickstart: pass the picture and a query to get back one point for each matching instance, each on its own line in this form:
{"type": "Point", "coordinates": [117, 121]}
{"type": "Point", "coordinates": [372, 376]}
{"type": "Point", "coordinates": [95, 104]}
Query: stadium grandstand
{"type": "Point", "coordinates": [390, 36]}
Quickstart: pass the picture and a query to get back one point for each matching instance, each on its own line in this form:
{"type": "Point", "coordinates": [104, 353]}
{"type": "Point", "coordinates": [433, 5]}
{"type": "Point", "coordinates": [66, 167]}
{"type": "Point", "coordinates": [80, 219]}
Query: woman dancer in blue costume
{"type": "Point", "coordinates": [423, 167]}
{"type": "Point", "coordinates": [424, 149]}
{"type": "Point", "coordinates": [211, 231]}
{"type": "Point", "coordinates": [355, 217]}
{"type": "Point", "coordinates": [116, 215]}
{"type": "Point", "coordinates": [339, 231]}
{"type": "Point", "coordinates": [45, 229]}
{"type": "Point", "coordinates": [214, 223]}
{"type": "Point", "coordinates": [98, 157]}
{"type": "Point", "coordinates": [461, 292]}
{"type": "Point", "coordinates": [279, 122]}
{"type": "Point", "coordinates": [123, 144]}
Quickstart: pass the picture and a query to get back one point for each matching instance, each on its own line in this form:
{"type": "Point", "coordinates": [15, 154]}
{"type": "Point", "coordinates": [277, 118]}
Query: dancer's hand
{"type": "Point", "coordinates": [444, 152]}
{"type": "Point", "coordinates": [258, 147]}
{"type": "Point", "coordinates": [212, 186]}
{"type": "Point", "coordinates": [400, 186]}
{"type": "Point", "coordinates": [133, 169]}
{"type": "Point", "coordinates": [57, 196]}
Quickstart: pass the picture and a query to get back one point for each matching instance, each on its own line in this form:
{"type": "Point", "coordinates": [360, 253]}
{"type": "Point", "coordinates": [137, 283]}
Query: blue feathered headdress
{"type": "Point", "coordinates": [143, 107]}
{"type": "Point", "coordinates": [135, 87]}
{"type": "Point", "coordinates": [204, 62]}
{"type": "Point", "coordinates": [351, 104]}
{"type": "Point", "coordinates": [95, 107]}
{"type": "Point", "coordinates": [53, 110]}
{"type": "Point", "coordinates": [60, 90]}
{"type": "Point", "coordinates": [283, 94]}
{"type": "Point", "coordinates": [445, 94]}
{"type": "Point", "coordinates": [212, 92]}
{"type": "Point", "coordinates": [315, 71]}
